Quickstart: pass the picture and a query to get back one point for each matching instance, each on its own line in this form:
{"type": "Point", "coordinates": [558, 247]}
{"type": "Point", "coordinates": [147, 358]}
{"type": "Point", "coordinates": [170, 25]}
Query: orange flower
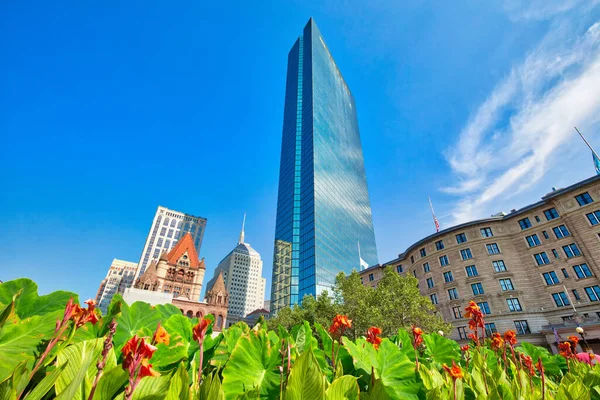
{"type": "Point", "coordinates": [82, 316]}
{"type": "Point", "coordinates": [528, 363]}
{"type": "Point", "coordinates": [417, 333]}
{"type": "Point", "coordinates": [199, 331]}
{"type": "Point", "coordinates": [510, 337]}
{"type": "Point", "coordinates": [146, 370]}
{"type": "Point", "coordinates": [372, 337]}
{"type": "Point", "coordinates": [455, 372]}
{"type": "Point", "coordinates": [573, 339]}
{"type": "Point", "coordinates": [131, 346]}
{"type": "Point", "coordinates": [146, 349]}
{"type": "Point", "coordinates": [472, 310]}
{"type": "Point", "coordinates": [564, 349]}
{"type": "Point", "coordinates": [340, 322]}
{"type": "Point", "coordinates": [161, 335]}
{"type": "Point", "coordinates": [464, 348]}
{"type": "Point", "coordinates": [497, 342]}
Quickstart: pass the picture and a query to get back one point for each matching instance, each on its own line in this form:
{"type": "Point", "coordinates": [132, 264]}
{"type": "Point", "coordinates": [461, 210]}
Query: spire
{"type": "Point", "coordinates": [241, 240]}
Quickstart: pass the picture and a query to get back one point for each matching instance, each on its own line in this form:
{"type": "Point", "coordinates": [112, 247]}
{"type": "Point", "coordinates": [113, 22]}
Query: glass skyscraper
{"type": "Point", "coordinates": [324, 222]}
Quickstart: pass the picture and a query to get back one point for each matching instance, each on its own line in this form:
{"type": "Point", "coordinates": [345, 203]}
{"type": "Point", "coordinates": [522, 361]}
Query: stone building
{"type": "Point", "coordinates": [177, 277]}
{"type": "Point", "coordinates": [534, 270]}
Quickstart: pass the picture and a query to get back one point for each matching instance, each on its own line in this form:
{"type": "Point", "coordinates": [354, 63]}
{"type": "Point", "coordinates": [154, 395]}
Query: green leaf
{"type": "Point", "coordinates": [19, 341]}
{"type": "Point", "coordinates": [166, 311]}
{"type": "Point", "coordinates": [211, 388]}
{"type": "Point", "coordinates": [75, 381]}
{"type": "Point", "coordinates": [223, 351]}
{"type": "Point", "coordinates": [111, 383]}
{"type": "Point", "coordinates": [7, 310]}
{"type": "Point", "coordinates": [364, 357]}
{"type": "Point", "coordinates": [254, 363]}
{"type": "Point", "coordinates": [306, 379]}
{"type": "Point", "coordinates": [29, 303]}
{"type": "Point", "coordinates": [181, 345]}
{"type": "Point", "coordinates": [179, 388]}
{"type": "Point", "coordinates": [441, 349]}
{"type": "Point", "coordinates": [152, 388]}
{"type": "Point", "coordinates": [397, 372]}
{"type": "Point", "coordinates": [138, 319]}
{"type": "Point", "coordinates": [7, 392]}
{"type": "Point", "coordinates": [377, 392]}
{"type": "Point", "coordinates": [43, 387]}
{"type": "Point", "coordinates": [344, 388]}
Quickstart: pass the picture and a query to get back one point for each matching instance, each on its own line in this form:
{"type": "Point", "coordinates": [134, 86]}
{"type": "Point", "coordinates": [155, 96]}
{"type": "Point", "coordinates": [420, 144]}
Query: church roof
{"type": "Point", "coordinates": [186, 243]}
{"type": "Point", "coordinates": [219, 285]}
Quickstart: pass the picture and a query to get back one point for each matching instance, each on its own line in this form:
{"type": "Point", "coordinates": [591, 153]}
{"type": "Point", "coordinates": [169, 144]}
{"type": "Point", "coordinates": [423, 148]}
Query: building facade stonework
{"type": "Point", "coordinates": [178, 276]}
{"type": "Point", "coordinates": [534, 270]}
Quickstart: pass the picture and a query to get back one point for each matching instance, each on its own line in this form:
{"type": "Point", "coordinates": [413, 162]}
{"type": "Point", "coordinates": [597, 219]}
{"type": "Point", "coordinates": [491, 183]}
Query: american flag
{"type": "Point", "coordinates": [435, 220]}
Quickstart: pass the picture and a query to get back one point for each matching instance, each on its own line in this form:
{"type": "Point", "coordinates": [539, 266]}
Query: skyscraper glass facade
{"type": "Point", "coordinates": [324, 222]}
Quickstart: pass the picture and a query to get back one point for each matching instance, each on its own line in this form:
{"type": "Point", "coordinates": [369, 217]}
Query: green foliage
{"type": "Point", "coordinates": [291, 362]}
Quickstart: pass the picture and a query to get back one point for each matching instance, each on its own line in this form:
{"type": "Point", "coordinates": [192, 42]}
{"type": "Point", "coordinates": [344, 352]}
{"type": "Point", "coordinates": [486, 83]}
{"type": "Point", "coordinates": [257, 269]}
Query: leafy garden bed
{"type": "Point", "coordinates": [50, 347]}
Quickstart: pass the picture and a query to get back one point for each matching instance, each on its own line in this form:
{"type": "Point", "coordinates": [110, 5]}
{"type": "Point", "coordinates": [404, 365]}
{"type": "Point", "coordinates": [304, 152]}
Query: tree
{"type": "Point", "coordinates": [395, 303]}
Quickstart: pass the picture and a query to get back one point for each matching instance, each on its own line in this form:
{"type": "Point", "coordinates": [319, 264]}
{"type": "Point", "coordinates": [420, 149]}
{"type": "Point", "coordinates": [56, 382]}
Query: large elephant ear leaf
{"type": "Point", "coordinates": [138, 319]}
{"type": "Point", "coordinates": [29, 303]}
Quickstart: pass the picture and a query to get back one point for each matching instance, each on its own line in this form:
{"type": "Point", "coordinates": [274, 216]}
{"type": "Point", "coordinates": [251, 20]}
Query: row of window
{"type": "Point", "coordinates": [570, 250]}
{"type": "Point", "coordinates": [561, 299]}
{"type": "Point", "coordinates": [460, 238]}
{"type": "Point", "coordinates": [521, 326]}
{"type": "Point", "coordinates": [505, 284]}
{"type": "Point", "coordinates": [550, 214]}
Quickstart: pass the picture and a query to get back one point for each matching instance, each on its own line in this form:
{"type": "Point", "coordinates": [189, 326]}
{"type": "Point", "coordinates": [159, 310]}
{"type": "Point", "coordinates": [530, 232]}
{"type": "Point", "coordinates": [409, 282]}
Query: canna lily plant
{"type": "Point", "coordinates": [65, 351]}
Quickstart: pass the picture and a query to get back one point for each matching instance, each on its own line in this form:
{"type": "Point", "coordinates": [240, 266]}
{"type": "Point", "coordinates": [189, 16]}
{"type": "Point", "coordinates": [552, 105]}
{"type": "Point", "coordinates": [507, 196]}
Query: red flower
{"type": "Point", "coordinates": [540, 366]}
{"type": "Point", "coordinates": [564, 349]}
{"type": "Point", "coordinates": [573, 339]}
{"type": "Point", "coordinates": [497, 342]}
{"type": "Point", "coordinates": [146, 349]}
{"type": "Point", "coordinates": [340, 322]}
{"type": "Point", "coordinates": [455, 372]}
{"type": "Point", "coordinates": [464, 348]}
{"type": "Point", "coordinates": [81, 316]}
{"type": "Point", "coordinates": [199, 331]}
{"type": "Point", "coordinates": [510, 337]}
{"type": "Point", "coordinates": [528, 363]}
{"type": "Point", "coordinates": [417, 333]}
{"type": "Point", "coordinates": [146, 370]}
{"type": "Point", "coordinates": [372, 337]}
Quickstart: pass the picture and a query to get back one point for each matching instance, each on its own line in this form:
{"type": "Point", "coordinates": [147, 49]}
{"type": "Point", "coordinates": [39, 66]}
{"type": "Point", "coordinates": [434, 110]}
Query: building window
{"type": "Point", "coordinates": [565, 273]}
{"type": "Point", "coordinates": [560, 299]}
{"type": "Point", "coordinates": [434, 299]}
{"type": "Point", "coordinates": [524, 223]}
{"type": "Point", "coordinates": [439, 245]}
{"type": "Point", "coordinates": [466, 254]}
{"type": "Point", "coordinates": [533, 240]}
{"type": "Point", "coordinates": [545, 235]}
{"type": "Point", "coordinates": [412, 259]}
{"type": "Point", "coordinates": [462, 332]}
{"type": "Point", "coordinates": [593, 292]}
{"type": "Point", "coordinates": [513, 305]}
{"type": "Point", "coordinates": [486, 232]}
{"type": "Point", "coordinates": [576, 294]}
{"type": "Point", "coordinates": [452, 294]}
{"type": "Point", "coordinates": [582, 271]}
{"type": "Point", "coordinates": [461, 238]}
{"type": "Point", "coordinates": [571, 250]}
{"type": "Point", "coordinates": [444, 260]}
{"type": "Point", "coordinates": [426, 267]}
{"type": "Point", "coordinates": [492, 248]}
{"type": "Point", "coordinates": [448, 276]}
{"type": "Point", "coordinates": [471, 270]}
{"type": "Point", "coordinates": [399, 269]}
{"type": "Point", "coordinates": [561, 231]}
{"type": "Point", "coordinates": [484, 307]}
{"type": "Point", "coordinates": [584, 199]}
{"type": "Point", "coordinates": [499, 266]}
{"type": "Point", "coordinates": [371, 277]}
{"type": "Point", "coordinates": [541, 258]}
{"type": "Point", "coordinates": [415, 272]}
{"type": "Point", "coordinates": [551, 278]}
{"type": "Point", "coordinates": [594, 217]}
{"type": "Point", "coordinates": [522, 327]}
{"type": "Point", "coordinates": [551, 214]}
{"type": "Point", "coordinates": [490, 328]}
{"type": "Point", "coordinates": [477, 288]}
{"type": "Point", "coordinates": [537, 219]}
{"type": "Point", "coordinates": [423, 252]}
{"type": "Point", "coordinates": [555, 253]}
{"type": "Point", "coordinates": [457, 312]}
{"type": "Point", "coordinates": [430, 283]}
{"type": "Point", "coordinates": [506, 284]}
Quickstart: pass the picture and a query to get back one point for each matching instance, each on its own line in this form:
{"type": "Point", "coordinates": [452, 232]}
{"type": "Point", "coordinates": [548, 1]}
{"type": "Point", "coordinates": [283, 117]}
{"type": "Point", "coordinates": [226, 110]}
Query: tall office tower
{"type": "Point", "coordinates": [120, 276]}
{"type": "Point", "coordinates": [167, 228]}
{"type": "Point", "coordinates": [242, 272]}
{"type": "Point", "coordinates": [323, 208]}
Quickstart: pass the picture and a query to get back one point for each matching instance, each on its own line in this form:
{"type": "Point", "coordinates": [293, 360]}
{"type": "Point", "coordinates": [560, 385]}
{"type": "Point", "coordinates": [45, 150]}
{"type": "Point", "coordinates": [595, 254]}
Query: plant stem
{"type": "Point", "coordinates": [454, 387]}
{"type": "Point", "coordinates": [102, 363]}
{"type": "Point", "coordinates": [201, 343]}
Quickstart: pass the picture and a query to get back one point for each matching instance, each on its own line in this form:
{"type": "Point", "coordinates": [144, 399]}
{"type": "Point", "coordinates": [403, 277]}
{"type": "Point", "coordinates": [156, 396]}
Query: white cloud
{"type": "Point", "coordinates": [506, 145]}
{"type": "Point", "coordinates": [541, 9]}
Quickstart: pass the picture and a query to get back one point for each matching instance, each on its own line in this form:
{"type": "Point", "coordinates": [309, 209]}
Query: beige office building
{"type": "Point", "coordinates": [534, 270]}
{"type": "Point", "coordinates": [119, 277]}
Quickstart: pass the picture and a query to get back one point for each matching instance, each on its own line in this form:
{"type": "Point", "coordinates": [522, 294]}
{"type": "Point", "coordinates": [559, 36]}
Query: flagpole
{"type": "Point", "coordinates": [587, 143]}
{"type": "Point", "coordinates": [569, 297]}
{"type": "Point", "coordinates": [435, 221]}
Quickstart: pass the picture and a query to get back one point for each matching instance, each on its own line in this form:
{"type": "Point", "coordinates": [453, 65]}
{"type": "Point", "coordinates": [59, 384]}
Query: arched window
{"type": "Point", "coordinates": [166, 223]}
{"type": "Point", "coordinates": [219, 299]}
{"type": "Point", "coordinates": [171, 273]}
{"type": "Point", "coordinates": [180, 274]}
{"type": "Point", "coordinates": [181, 310]}
{"type": "Point", "coordinates": [173, 222]}
{"type": "Point", "coordinates": [220, 322]}
{"type": "Point", "coordinates": [198, 314]}
{"type": "Point", "coordinates": [190, 314]}
{"type": "Point", "coordinates": [146, 286]}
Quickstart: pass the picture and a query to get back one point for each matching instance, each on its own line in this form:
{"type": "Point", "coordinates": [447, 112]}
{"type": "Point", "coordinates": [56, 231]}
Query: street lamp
{"type": "Point", "coordinates": [581, 332]}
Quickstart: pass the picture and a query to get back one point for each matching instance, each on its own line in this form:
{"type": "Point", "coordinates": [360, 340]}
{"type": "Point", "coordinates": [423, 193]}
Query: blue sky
{"type": "Point", "coordinates": [111, 109]}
